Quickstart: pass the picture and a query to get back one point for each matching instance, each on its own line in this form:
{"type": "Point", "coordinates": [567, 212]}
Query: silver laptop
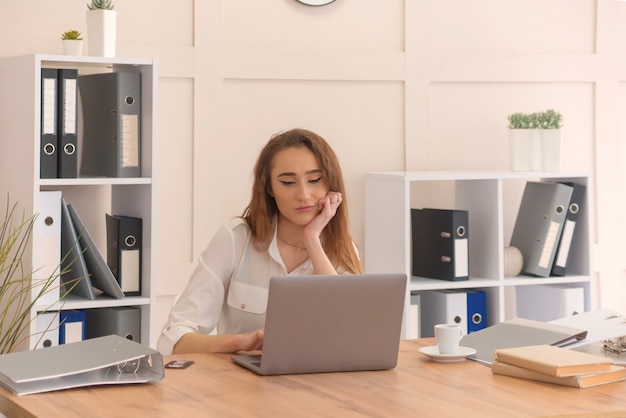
{"type": "Point", "coordinates": [333, 323]}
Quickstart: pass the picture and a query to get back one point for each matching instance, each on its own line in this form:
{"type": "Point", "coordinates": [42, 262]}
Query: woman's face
{"type": "Point", "coordinates": [297, 184]}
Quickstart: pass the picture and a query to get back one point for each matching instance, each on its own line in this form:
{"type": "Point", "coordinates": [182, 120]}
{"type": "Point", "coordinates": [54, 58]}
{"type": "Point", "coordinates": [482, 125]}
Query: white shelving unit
{"type": "Point", "coordinates": [492, 200]}
{"type": "Point", "coordinates": [20, 128]}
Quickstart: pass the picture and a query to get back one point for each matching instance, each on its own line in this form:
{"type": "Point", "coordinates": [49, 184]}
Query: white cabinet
{"type": "Point", "coordinates": [92, 197]}
{"type": "Point", "coordinates": [492, 200]}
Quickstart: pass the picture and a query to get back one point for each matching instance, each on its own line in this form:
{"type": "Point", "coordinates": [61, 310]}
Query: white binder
{"type": "Point", "coordinates": [47, 329]}
{"type": "Point", "coordinates": [47, 249]}
{"type": "Point", "coordinates": [443, 307]}
{"type": "Point", "coordinates": [549, 302]}
{"type": "Point", "coordinates": [99, 361]}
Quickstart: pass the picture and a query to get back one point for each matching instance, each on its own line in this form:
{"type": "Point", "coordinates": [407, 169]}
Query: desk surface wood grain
{"type": "Point", "coordinates": [215, 386]}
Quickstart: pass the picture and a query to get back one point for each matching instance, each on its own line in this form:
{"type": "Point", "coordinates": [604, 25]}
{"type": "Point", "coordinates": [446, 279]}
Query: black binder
{"type": "Point", "coordinates": [49, 140]}
{"type": "Point", "coordinates": [569, 229]}
{"type": "Point", "coordinates": [124, 321]}
{"type": "Point", "coordinates": [539, 224]}
{"type": "Point", "coordinates": [101, 276]}
{"type": "Point", "coordinates": [440, 243]}
{"type": "Point", "coordinates": [124, 252]}
{"type": "Point", "coordinates": [112, 124]}
{"type": "Point", "coordinates": [73, 266]}
{"type": "Point", "coordinates": [68, 123]}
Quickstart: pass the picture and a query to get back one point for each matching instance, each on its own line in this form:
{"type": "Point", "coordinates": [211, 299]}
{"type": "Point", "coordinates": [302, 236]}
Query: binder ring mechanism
{"type": "Point", "coordinates": [616, 345]}
{"type": "Point", "coordinates": [132, 366]}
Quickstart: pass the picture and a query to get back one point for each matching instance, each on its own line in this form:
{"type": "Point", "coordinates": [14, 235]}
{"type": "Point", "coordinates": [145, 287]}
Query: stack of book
{"type": "Point", "coordinates": [556, 365]}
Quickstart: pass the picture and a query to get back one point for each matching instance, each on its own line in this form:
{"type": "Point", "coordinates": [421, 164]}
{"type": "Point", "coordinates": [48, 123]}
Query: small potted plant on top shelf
{"type": "Point", "coordinates": [535, 141]}
{"type": "Point", "coordinates": [101, 27]}
{"type": "Point", "coordinates": [550, 123]}
{"type": "Point", "coordinates": [72, 42]}
{"type": "Point", "coordinates": [524, 142]}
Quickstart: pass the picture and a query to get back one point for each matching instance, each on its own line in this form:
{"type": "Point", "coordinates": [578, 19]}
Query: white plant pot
{"type": "Point", "coordinates": [72, 47]}
{"type": "Point", "coordinates": [525, 149]}
{"type": "Point", "coordinates": [551, 149]}
{"type": "Point", "coordinates": [101, 32]}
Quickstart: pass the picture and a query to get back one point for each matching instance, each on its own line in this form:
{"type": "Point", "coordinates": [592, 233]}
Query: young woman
{"type": "Point", "coordinates": [295, 224]}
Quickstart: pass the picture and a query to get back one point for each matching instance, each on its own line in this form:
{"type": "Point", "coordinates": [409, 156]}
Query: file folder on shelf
{"type": "Point", "coordinates": [47, 329]}
{"type": "Point", "coordinates": [72, 326]}
{"type": "Point", "coordinates": [414, 317]}
{"type": "Point", "coordinates": [67, 123]}
{"type": "Point", "coordinates": [476, 310]}
{"type": "Point", "coordinates": [124, 252]}
{"type": "Point", "coordinates": [101, 276]}
{"type": "Point", "coordinates": [539, 224]}
{"type": "Point", "coordinates": [124, 321]}
{"type": "Point", "coordinates": [74, 271]}
{"type": "Point", "coordinates": [112, 124]}
{"type": "Point", "coordinates": [549, 302]}
{"type": "Point", "coordinates": [466, 308]}
{"type": "Point", "coordinates": [49, 139]}
{"type": "Point", "coordinates": [440, 243]}
{"type": "Point", "coordinates": [47, 248]}
{"type": "Point", "coordinates": [111, 360]}
{"type": "Point", "coordinates": [569, 228]}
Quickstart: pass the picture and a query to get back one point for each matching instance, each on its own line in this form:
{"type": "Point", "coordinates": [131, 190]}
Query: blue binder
{"type": "Point", "coordinates": [72, 326]}
{"type": "Point", "coordinates": [476, 310]}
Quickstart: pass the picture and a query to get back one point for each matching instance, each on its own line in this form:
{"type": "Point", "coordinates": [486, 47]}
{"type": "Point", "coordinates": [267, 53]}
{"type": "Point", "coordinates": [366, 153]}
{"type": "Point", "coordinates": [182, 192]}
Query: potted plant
{"type": "Point", "coordinates": [524, 142]}
{"type": "Point", "coordinates": [550, 123]}
{"type": "Point", "coordinates": [20, 292]}
{"type": "Point", "coordinates": [72, 42]}
{"type": "Point", "coordinates": [101, 28]}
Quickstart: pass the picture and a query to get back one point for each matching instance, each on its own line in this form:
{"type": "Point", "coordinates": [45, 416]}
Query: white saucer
{"type": "Point", "coordinates": [433, 352]}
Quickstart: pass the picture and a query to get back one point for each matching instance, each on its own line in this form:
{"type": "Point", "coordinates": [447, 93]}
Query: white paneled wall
{"type": "Point", "coordinates": [392, 85]}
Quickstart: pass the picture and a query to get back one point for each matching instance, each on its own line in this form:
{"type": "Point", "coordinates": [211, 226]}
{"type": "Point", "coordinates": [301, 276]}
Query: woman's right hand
{"type": "Point", "coordinates": [251, 341]}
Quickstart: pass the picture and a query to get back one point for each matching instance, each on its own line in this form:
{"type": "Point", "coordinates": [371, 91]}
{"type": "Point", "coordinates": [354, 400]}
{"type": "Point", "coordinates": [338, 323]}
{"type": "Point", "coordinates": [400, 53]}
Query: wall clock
{"type": "Point", "coordinates": [315, 2]}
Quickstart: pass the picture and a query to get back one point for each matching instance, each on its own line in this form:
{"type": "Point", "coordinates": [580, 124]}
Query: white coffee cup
{"type": "Point", "coordinates": [448, 338]}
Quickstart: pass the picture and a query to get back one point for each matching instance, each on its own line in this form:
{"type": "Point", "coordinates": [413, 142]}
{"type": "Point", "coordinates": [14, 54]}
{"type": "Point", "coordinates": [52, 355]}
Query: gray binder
{"type": "Point", "coordinates": [74, 272]}
{"type": "Point", "coordinates": [124, 321]}
{"type": "Point", "coordinates": [518, 332]}
{"type": "Point", "coordinates": [99, 361]}
{"type": "Point", "coordinates": [539, 224]}
{"type": "Point", "coordinates": [112, 124]}
{"type": "Point", "coordinates": [101, 276]}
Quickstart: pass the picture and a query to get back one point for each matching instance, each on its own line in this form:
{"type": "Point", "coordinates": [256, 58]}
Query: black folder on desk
{"type": "Point", "coordinates": [518, 332]}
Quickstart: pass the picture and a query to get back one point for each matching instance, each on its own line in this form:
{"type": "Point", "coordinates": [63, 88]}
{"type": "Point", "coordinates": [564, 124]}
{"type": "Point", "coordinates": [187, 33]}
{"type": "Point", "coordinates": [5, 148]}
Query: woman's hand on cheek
{"type": "Point", "coordinates": [327, 209]}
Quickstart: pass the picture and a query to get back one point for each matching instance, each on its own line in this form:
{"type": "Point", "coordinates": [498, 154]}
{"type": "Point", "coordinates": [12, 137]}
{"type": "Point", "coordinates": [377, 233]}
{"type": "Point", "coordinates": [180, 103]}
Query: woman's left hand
{"type": "Point", "coordinates": [327, 209]}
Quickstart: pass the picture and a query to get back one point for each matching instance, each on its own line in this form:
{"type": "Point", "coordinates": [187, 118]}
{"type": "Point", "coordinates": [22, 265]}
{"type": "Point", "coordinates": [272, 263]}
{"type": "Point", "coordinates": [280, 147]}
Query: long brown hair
{"type": "Point", "coordinates": [260, 212]}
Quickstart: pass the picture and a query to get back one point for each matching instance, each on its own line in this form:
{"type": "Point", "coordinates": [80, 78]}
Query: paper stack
{"type": "Point", "coordinates": [557, 365]}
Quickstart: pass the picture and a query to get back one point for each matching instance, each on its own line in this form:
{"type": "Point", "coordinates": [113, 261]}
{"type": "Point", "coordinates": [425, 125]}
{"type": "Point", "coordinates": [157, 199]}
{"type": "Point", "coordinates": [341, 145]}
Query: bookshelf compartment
{"type": "Point", "coordinates": [492, 200]}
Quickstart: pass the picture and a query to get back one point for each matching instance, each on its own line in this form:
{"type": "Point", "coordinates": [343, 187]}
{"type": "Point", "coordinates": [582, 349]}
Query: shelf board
{"type": "Point", "coordinates": [434, 175]}
{"type": "Point", "coordinates": [72, 302]}
{"type": "Point", "coordinates": [423, 283]}
{"type": "Point", "coordinates": [530, 280]}
{"type": "Point", "coordinates": [96, 181]}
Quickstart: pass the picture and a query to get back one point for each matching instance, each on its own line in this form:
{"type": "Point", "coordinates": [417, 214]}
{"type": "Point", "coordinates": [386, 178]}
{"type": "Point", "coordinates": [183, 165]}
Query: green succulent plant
{"type": "Point", "coordinates": [71, 34]}
{"type": "Point", "coordinates": [550, 119]}
{"type": "Point", "coordinates": [101, 5]}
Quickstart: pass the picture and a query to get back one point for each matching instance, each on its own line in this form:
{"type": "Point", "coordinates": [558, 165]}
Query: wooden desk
{"type": "Point", "coordinates": [214, 386]}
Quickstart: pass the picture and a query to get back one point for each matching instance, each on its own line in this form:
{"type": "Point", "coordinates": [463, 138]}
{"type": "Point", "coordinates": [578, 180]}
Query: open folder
{"type": "Point", "coordinates": [99, 361]}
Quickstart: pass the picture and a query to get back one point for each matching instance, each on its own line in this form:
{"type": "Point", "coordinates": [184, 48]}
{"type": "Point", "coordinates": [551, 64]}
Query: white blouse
{"type": "Point", "coordinates": [228, 288]}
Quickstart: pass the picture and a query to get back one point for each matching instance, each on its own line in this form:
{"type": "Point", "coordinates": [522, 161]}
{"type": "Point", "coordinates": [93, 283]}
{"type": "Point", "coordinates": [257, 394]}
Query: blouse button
{"type": "Point", "coordinates": [243, 306]}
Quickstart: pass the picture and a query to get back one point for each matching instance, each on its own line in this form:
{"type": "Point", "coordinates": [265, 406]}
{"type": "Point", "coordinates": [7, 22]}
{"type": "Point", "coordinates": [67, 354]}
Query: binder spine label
{"type": "Point", "coordinates": [548, 247]}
